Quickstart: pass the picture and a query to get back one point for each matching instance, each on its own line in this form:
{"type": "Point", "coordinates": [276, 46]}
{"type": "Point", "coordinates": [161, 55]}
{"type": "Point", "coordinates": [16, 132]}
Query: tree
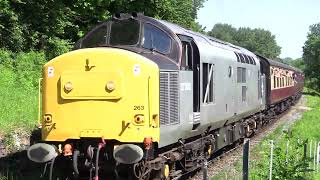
{"type": "Point", "coordinates": [256, 40]}
{"type": "Point", "coordinates": [311, 56]}
{"type": "Point", "coordinates": [298, 63]}
{"type": "Point", "coordinates": [224, 32]}
{"type": "Point", "coordinates": [287, 60]}
{"type": "Point", "coordinates": [11, 32]}
{"type": "Point", "coordinates": [50, 25]}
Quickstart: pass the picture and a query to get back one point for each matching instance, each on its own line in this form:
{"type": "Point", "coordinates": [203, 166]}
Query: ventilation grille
{"type": "Point", "coordinates": [196, 117]}
{"type": "Point", "coordinates": [169, 98]}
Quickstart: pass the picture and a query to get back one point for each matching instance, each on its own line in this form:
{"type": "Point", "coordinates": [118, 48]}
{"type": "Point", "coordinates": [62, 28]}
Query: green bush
{"type": "Point", "coordinates": [56, 47]}
{"type": "Point", "coordinates": [19, 74]}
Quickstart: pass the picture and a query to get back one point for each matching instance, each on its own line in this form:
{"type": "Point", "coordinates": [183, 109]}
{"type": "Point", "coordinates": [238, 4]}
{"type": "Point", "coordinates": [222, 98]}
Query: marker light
{"type": "Point", "coordinates": [111, 85]}
{"type": "Point", "coordinates": [147, 142]}
{"type": "Point", "coordinates": [139, 119]}
{"type": "Point", "coordinates": [68, 86]}
{"type": "Point", "coordinates": [67, 150]}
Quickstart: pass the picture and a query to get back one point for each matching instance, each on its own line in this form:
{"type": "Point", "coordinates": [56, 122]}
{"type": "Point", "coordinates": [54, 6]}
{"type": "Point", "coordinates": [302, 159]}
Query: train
{"type": "Point", "coordinates": [142, 98]}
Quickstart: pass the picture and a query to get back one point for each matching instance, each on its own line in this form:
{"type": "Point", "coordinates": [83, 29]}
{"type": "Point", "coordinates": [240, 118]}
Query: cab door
{"type": "Point", "coordinates": [190, 66]}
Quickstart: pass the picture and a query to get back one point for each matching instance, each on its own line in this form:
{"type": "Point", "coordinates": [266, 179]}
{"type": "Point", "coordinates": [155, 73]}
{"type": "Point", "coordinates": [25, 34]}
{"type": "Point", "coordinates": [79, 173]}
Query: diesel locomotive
{"type": "Point", "coordinates": [144, 98]}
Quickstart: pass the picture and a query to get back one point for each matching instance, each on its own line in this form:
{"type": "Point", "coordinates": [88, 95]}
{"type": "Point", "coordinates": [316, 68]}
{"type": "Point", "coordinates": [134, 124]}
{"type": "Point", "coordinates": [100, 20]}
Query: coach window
{"type": "Point", "coordinates": [274, 82]}
{"type": "Point", "coordinates": [156, 39]}
{"type": "Point", "coordinates": [208, 84]}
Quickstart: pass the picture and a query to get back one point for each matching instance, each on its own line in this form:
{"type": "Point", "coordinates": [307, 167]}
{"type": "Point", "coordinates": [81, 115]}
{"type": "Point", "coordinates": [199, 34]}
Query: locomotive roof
{"type": "Point", "coordinates": [203, 38]}
{"type": "Point", "coordinates": [200, 38]}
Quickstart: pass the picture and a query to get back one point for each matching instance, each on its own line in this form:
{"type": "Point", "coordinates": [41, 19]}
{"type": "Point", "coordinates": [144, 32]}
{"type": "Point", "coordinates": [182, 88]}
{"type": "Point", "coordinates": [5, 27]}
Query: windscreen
{"type": "Point", "coordinates": [97, 37]}
{"type": "Point", "coordinates": [124, 32]}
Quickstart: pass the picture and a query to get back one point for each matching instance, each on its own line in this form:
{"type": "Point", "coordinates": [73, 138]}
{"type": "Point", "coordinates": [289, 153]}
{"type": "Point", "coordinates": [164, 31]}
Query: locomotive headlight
{"type": "Point", "coordinates": [139, 119]}
{"type": "Point", "coordinates": [68, 86]}
{"type": "Point", "coordinates": [110, 86]}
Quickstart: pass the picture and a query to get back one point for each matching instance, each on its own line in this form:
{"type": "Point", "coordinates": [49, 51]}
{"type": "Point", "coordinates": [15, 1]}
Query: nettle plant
{"type": "Point", "coordinates": [291, 160]}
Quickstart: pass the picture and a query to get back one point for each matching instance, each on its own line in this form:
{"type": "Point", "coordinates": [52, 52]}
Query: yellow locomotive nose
{"type": "Point", "coordinates": [100, 92]}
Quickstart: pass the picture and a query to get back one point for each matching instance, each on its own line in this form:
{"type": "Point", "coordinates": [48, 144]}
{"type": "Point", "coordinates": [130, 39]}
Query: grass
{"type": "Point", "coordinates": [18, 110]}
{"type": "Point", "coordinates": [18, 105]}
{"type": "Point", "coordinates": [19, 73]}
{"type": "Point", "coordinates": [308, 126]}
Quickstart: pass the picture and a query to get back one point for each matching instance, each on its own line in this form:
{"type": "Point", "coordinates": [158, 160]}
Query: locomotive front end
{"type": "Point", "coordinates": [97, 93]}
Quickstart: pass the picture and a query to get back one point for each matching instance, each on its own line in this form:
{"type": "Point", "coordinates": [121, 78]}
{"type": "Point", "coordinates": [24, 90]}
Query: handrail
{"type": "Point", "coordinates": [39, 102]}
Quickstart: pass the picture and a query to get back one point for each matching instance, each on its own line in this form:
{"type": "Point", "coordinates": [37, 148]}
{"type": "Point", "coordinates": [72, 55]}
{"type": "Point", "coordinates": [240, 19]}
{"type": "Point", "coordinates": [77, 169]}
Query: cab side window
{"type": "Point", "coordinates": [186, 61]}
{"type": "Point", "coordinates": [156, 39]}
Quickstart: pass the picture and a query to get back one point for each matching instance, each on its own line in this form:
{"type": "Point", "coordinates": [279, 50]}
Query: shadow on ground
{"type": "Point", "coordinates": [17, 166]}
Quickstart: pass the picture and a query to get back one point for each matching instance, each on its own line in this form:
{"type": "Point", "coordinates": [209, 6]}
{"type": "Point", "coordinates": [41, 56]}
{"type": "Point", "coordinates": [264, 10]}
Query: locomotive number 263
{"type": "Point", "coordinates": [137, 108]}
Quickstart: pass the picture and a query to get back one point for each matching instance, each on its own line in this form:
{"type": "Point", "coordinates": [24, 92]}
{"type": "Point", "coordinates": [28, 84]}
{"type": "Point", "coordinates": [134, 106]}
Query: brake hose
{"type": "Point", "coordinates": [75, 162]}
{"type": "Point", "coordinates": [51, 168]}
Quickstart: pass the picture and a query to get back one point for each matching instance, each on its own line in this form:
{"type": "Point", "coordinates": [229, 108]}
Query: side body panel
{"type": "Point", "coordinates": [171, 132]}
{"type": "Point", "coordinates": [278, 95]}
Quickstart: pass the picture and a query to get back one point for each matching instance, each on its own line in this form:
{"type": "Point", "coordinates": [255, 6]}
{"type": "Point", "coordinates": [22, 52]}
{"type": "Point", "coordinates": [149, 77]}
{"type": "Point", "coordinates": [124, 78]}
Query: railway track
{"type": "Point", "coordinates": [228, 156]}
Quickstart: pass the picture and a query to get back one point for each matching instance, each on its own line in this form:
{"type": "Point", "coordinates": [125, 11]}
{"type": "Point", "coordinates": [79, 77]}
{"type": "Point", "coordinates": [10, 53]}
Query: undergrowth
{"type": "Point", "coordinates": [293, 162]}
{"type": "Point", "coordinates": [19, 74]}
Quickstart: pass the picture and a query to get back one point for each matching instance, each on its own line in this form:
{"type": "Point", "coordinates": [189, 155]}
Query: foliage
{"type": "Point", "coordinates": [286, 60]}
{"type": "Point", "coordinates": [53, 25]}
{"type": "Point", "coordinates": [3, 177]}
{"type": "Point", "coordinates": [311, 56]}
{"type": "Point", "coordinates": [298, 63]}
{"type": "Point", "coordinates": [19, 73]}
{"type": "Point", "coordinates": [256, 40]}
{"type": "Point", "coordinates": [224, 32]}
{"type": "Point", "coordinates": [291, 163]}
{"type": "Point", "coordinates": [297, 165]}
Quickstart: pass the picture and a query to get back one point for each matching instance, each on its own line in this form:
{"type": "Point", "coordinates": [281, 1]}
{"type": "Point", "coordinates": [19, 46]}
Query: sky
{"type": "Point", "coordinates": [288, 20]}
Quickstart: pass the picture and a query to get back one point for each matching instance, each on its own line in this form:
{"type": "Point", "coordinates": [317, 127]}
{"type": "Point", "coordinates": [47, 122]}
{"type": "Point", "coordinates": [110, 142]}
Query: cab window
{"type": "Point", "coordinates": [124, 32]}
{"type": "Point", "coordinates": [97, 37]}
{"type": "Point", "coordinates": [156, 39]}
